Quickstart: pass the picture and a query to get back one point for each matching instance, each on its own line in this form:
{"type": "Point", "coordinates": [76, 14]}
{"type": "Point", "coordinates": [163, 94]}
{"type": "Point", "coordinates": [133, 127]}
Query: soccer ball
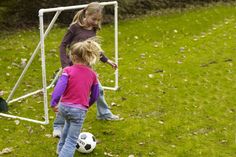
{"type": "Point", "coordinates": [86, 142]}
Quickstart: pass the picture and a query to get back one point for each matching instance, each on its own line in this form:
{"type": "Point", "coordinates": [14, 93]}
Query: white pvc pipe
{"type": "Point", "coordinates": [116, 43]}
{"type": "Point", "coordinates": [41, 11]}
{"type": "Point", "coordinates": [110, 88]}
{"type": "Point", "coordinates": [43, 69]}
{"type": "Point", "coordinates": [25, 96]}
{"type": "Point", "coordinates": [23, 118]}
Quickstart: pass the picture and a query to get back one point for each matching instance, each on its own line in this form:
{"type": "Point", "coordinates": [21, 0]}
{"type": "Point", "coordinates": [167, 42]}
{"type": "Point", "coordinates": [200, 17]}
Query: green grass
{"type": "Point", "coordinates": [177, 87]}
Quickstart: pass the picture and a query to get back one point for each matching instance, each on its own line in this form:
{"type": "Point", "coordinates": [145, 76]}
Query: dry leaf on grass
{"type": "Point", "coordinates": [6, 150]}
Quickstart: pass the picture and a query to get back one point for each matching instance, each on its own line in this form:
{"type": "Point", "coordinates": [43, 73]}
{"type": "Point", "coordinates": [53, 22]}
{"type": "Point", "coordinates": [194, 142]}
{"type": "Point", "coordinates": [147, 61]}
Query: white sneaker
{"type": "Point", "coordinates": [113, 117]}
{"type": "Point", "coordinates": [56, 133]}
{"type": "Point", "coordinates": [110, 118]}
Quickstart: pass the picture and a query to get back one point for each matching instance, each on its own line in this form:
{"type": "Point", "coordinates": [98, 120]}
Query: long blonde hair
{"type": "Point", "coordinates": [86, 52]}
{"type": "Point", "coordinates": [92, 8]}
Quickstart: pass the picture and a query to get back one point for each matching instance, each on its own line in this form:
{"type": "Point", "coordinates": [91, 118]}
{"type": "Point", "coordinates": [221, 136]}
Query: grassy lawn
{"type": "Point", "coordinates": [177, 88]}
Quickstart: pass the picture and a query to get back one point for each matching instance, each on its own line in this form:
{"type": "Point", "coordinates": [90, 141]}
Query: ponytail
{"type": "Point", "coordinates": [78, 18]}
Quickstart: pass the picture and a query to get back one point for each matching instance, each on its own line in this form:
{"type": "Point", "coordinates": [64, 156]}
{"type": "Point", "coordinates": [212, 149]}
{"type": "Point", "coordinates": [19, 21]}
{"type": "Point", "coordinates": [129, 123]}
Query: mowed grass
{"type": "Point", "coordinates": [177, 87]}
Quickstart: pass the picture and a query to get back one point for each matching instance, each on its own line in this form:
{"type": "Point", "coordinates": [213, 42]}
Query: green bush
{"type": "Point", "coordinates": [24, 13]}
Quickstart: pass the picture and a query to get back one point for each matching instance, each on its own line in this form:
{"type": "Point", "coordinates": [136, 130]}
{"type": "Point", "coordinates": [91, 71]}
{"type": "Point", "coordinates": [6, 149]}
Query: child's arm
{"type": "Point", "coordinates": [59, 90]}
{"type": "Point", "coordinates": [112, 64]}
{"type": "Point", "coordinates": [66, 41]}
{"type": "Point", "coordinates": [94, 94]}
{"type": "Point", "coordinates": [104, 59]}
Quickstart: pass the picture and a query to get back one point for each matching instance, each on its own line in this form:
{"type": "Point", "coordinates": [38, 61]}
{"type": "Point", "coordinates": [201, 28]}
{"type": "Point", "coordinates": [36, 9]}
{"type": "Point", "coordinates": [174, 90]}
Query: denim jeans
{"type": "Point", "coordinates": [74, 118]}
{"type": "Point", "coordinates": [102, 110]}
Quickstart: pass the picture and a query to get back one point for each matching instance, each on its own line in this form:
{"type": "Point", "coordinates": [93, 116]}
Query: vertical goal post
{"type": "Point", "coordinates": [41, 45]}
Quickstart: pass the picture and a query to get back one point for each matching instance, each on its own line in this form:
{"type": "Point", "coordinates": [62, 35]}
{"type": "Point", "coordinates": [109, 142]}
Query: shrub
{"type": "Point", "coordinates": [23, 13]}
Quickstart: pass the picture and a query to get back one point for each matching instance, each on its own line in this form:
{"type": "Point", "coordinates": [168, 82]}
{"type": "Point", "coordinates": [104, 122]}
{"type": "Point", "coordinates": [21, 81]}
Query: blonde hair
{"type": "Point", "coordinates": [86, 52]}
{"type": "Point", "coordinates": [92, 8]}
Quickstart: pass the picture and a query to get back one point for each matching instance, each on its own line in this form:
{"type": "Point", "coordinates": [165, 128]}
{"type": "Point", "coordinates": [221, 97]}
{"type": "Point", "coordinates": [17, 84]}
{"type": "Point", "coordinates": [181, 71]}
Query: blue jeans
{"type": "Point", "coordinates": [102, 110]}
{"type": "Point", "coordinates": [74, 118]}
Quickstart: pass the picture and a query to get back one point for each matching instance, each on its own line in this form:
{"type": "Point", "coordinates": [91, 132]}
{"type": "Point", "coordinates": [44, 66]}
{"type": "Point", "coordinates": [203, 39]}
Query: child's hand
{"type": "Point", "coordinates": [55, 109]}
{"type": "Point", "coordinates": [112, 64]}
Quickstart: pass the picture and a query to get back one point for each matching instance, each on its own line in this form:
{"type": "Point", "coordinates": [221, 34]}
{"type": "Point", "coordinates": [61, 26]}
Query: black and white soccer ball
{"type": "Point", "coordinates": [86, 142]}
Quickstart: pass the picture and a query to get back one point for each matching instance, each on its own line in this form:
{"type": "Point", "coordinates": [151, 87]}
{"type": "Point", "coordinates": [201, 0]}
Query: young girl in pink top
{"type": "Point", "coordinates": [76, 90]}
{"type": "Point", "coordinates": [85, 25]}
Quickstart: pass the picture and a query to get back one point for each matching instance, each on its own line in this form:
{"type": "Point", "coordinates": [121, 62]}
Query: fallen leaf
{"type": "Point", "coordinates": [151, 153]}
{"type": "Point", "coordinates": [139, 68]}
{"type": "Point", "coordinates": [141, 143]}
{"type": "Point", "coordinates": [30, 130]}
{"type": "Point", "coordinates": [113, 104]}
{"type": "Point", "coordinates": [150, 75]}
{"type": "Point", "coordinates": [123, 98]}
{"type": "Point", "coordinates": [17, 122]}
{"type": "Point", "coordinates": [159, 71]}
{"type": "Point", "coordinates": [48, 135]}
{"type": "Point", "coordinates": [6, 150]}
{"type": "Point", "coordinates": [42, 127]}
{"type": "Point", "coordinates": [1, 93]}
{"type": "Point", "coordinates": [27, 142]}
{"type": "Point", "coordinates": [108, 154]}
{"type": "Point", "coordinates": [8, 67]}
{"type": "Point", "coordinates": [23, 62]}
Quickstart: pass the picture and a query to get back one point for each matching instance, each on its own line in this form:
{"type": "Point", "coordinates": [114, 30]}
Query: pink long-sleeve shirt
{"type": "Point", "coordinates": [77, 87]}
